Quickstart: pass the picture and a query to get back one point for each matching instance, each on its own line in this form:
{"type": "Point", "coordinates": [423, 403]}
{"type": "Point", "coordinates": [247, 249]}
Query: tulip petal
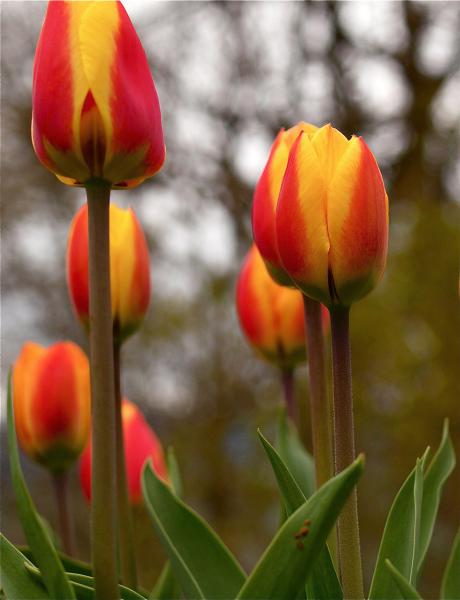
{"type": "Point", "coordinates": [329, 145]}
{"type": "Point", "coordinates": [301, 227]}
{"type": "Point", "coordinates": [357, 217]}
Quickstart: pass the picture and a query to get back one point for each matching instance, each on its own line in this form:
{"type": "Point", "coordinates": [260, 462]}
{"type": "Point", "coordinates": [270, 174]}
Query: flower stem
{"type": "Point", "coordinates": [125, 521]}
{"type": "Point", "coordinates": [103, 505]}
{"type": "Point", "coordinates": [287, 383]}
{"type": "Point", "coordinates": [348, 527]}
{"type": "Point", "coordinates": [321, 407]}
{"type": "Point", "coordinates": [321, 410]}
{"type": "Point", "coordinates": [61, 489]}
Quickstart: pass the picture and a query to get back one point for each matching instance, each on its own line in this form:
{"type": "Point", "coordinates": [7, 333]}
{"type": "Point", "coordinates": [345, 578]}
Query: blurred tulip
{"type": "Point", "coordinates": [51, 394]}
{"type": "Point", "coordinates": [332, 217]}
{"type": "Point", "coordinates": [96, 114]}
{"type": "Point", "coordinates": [129, 269]}
{"type": "Point", "coordinates": [140, 443]}
{"type": "Point", "coordinates": [271, 316]}
{"type": "Point", "coordinates": [266, 199]}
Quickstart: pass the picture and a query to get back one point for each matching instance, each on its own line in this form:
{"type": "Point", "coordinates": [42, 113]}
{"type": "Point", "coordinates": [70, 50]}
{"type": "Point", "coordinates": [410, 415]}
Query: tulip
{"type": "Point", "coordinates": [271, 316]}
{"type": "Point", "coordinates": [332, 217]}
{"type": "Point", "coordinates": [129, 270]}
{"type": "Point", "coordinates": [96, 114]}
{"type": "Point", "coordinates": [140, 444]}
{"type": "Point", "coordinates": [51, 396]}
{"type": "Point", "coordinates": [266, 199]}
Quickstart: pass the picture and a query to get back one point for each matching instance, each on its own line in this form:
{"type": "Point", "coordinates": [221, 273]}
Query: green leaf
{"type": "Point", "coordinates": [407, 590]}
{"type": "Point", "coordinates": [166, 587]}
{"type": "Point", "coordinates": [203, 566]}
{"type": "Point", "coordinates": [80, 581]}
{"type": "Point", "coordinates": [323, 582]}
{"type": "Point", "coordinates": [46, 558]}
{"type": "Point", "coordinates": [174, 472]}
{"type": "Point", "coordinates": [436, 475]}
{"type": "Point", "coordinates": [71, 565]}
{"type": "Point", "coordinates": [282, 571]}
{"type": "Point", "coordinates": [450, 588]}
{"type": "Point", "coordinates": [400, 536]}
{"type": "Point", "coordinates": [15, 580]}
{"type": "Point", "coordinates": [298, 460]}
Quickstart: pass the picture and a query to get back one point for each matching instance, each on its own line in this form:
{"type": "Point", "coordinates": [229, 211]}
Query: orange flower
{"type": "Point", "coordinates": [96, 113]}
{"type": "Point", "coordinates": [140, 442]}
{"type": "Point", "coordinates": [129, 269]}
{"type": "Point", "coordinates": [266, 199]}
{"type": "Point", "coordinates": [271, 316]}
{"type": "Point", "coordinates": [332, 217]}
{"type": "Point", "coordinates": [51, 396]}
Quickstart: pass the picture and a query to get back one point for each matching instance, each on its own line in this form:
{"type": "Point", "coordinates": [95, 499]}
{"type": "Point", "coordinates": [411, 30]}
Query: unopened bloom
{"type": "Point", "coordinates": [129, 269]}
{"type": "Point", "coordinates": [96, 114]}
{"type": "Point", "coordinates": [332, 217]}
{"type": "Point", "coordinates": [51, 395]}
{"type": "Point", "coordinates": [271, 315]}
{"type": "Point", "coordinates": [140, 443]}
{"type": "Point", "coordinates": [266, 199]}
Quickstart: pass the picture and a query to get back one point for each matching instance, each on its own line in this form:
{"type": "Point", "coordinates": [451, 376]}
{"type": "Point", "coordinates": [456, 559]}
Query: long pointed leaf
{"type": "Point", "coordinates": [203, 566]}
{"type": "Point", "coordinates": [408, 592]}
{"type": "Point", "coordinates": [323, 582]}
{"type": "Point", "coordinates": [45, 555]}
{"type": "Point", "coordinates": [298, 460]}
{"type": "Point", "coordinates": [436, 475]}
{"type": "Point", "coordinates": [166, 587]}
{"type": "Point", "coordinates": [282, 571]}
{"type": "Point", "coordinates": [450, 588]}
{"type": "Point", "coordinates": [399, 537]}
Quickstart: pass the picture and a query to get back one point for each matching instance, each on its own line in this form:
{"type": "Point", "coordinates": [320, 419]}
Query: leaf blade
{"type": "Point", "coordinates": [408, 591]}
{"type": "Point", "coordinates": [202, 564]}
{"type": "Point", "coordinates": [15, 581]}
{"type": "Point", "coordinates": [284, 567]}
{"type": "Point", "coordinates": [450, 587]}
{"type": "Point", "coordinates": [45, 554]}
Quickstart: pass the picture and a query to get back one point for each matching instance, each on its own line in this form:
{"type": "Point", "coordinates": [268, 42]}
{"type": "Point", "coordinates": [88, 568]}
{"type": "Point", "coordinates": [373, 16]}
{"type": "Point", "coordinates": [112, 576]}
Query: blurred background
{"type": "Point", "coordinates": [229, 76]}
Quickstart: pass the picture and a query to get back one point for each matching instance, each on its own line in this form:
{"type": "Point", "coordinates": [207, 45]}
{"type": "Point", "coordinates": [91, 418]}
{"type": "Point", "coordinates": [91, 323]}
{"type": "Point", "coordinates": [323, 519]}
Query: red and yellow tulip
{"type": "Point", "coordinates": [332, 217]}
{"type": "Point", "coordinates": [271, 315]}
{"type": "Point", "coordinates": [51, 395]}
{"type": "Point", "coordinates": [141, 443]}
{"type": "Point", "coordinates": [96, 114]}
{"type": "Point", "coordinates": [266, 199]}
{"type": "Point", "coordinates": [129, 269]}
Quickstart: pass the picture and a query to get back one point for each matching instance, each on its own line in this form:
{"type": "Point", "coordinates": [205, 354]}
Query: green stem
{"type": "Point", "coordinates": [124, 514]}
{"type": "Point", "coordinates": [321, 410]}
{"type": "Point", "coordinates": [287, 383]}
{"type": "Point", "coordinates": [321, 407]}
{"type": "Point", "coordinates": [103, 505]}
{"type": "Point", "coordinates": [348, 527]}
{"type": "Point", "coordinates": [61, 489]}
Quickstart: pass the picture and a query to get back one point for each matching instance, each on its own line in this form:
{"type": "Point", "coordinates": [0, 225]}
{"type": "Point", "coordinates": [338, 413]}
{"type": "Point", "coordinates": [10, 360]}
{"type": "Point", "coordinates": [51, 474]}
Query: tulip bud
{"type": "Point", "coordinates": [271, 315]}
{"type": "Point", "coordinates": [140, 443]}
{"type": "Point", "coordinates": [95, 110]}
{"type": "Point", "coordinates": [129, 269]}
{"type": "Point", "coordinates": [266, 199]}
{"type": "Point", "coordinates": [51, 395]}
{"type": "Point", "coordinates": [332, 217]}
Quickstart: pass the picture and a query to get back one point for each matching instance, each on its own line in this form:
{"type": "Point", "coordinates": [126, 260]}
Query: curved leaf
{"type": "Point", "coordinates": [408, 592]}
{"type": "Point", "coordinates": [450, 588]}
{"type": "Point", "coordinates": [282, 571]}
{"type": "Point", "coordinates": [436, 475]}
{"type": "Point", "coordinates": [400, 536]}
{"type": "Point", "coordinates": [71, 565]}
{"type": "Point", "coordinates": [202, 564]}
{"type": "Point", "coordinates": [45, 554]}
{"type": "Point", "coordinates": [323, 582]}
{"type": "Point", "coordinates": [15, 580]}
